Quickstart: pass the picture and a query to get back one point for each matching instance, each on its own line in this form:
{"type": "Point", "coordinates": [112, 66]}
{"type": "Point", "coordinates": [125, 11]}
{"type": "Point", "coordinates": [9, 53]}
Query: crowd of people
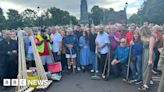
{"type": "Point", "coordinates": [76, 48]}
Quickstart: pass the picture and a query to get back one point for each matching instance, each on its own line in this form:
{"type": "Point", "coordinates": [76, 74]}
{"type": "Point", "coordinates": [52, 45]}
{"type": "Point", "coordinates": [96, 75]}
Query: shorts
{"type": "Point", "coordinates": [46, 59]}
{"type": "Point", "coordinates": [69, 56]}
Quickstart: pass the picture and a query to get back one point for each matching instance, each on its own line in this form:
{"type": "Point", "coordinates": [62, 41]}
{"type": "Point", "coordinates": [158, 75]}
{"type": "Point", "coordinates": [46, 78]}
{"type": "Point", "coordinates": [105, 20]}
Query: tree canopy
{"type": "Point", "coordinates": [151, 11]}
{"type": "Point", "coordinates": [29, 18]}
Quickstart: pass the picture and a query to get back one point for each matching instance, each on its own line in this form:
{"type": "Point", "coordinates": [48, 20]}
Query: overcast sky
{"type": "Point", "coordinates": [73, 6]}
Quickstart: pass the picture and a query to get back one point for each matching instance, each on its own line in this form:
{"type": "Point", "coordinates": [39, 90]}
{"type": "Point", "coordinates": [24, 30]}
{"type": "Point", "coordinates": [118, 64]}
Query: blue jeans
{"type": "Point", "coordinates": [136, 66]}
{"type": "Point", "coordinates": [93, 60]}
{"type": "Point", "coordinates": [78, 59]}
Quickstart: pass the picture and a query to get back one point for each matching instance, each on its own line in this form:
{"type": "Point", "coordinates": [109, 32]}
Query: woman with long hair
{"type": "Point", "coordinates": [136, 62]}
{"type": "Point", "coordinates": [84, 50]}
{"type": "Point", "coordinates": [148, 38]}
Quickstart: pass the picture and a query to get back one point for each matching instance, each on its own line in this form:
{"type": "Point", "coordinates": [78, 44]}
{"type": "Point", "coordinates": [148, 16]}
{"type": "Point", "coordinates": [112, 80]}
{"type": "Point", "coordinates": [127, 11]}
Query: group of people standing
{"type": "Point", "coordinates": [76, 48]}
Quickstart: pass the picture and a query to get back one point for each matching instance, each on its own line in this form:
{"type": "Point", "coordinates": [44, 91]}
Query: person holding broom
{"type": "Point", "coordinates": [120, 59]}
{"type": "Point", "coordinates": [148, 38]}
{"type": "Point", "coordinates": [161, 84]}
{"type": "Point", "coordinates": [102, 42]}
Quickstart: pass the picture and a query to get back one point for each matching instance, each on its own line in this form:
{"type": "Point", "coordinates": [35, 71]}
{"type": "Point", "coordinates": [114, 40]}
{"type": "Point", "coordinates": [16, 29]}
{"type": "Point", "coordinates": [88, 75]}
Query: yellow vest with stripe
{"type": "Point", "coordinates": [40, 48]}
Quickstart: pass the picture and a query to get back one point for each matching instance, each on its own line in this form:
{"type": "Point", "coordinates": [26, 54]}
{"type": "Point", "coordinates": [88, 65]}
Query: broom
{"type": "Point", "coordinates": [128, 69]}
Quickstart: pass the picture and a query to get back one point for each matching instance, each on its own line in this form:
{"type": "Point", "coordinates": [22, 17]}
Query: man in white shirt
{"type": "Point", "coordinates": [56, 39]}
{"type": "Point", "coordinates": [102, 46]}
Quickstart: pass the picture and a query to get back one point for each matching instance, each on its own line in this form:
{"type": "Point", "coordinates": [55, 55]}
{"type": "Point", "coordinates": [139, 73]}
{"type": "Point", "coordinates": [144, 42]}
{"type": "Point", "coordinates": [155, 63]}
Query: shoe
{"type": "Point", "coordinates": [154, 72]}
{"type": "Point", "coordinates": [69, 67]}
{"type": "Point", "coordinates": [143, 88]}
{"type": "Point", "coordinates": [151, 82]}
{"type": "Point", "coordinates": [138, 82]}
{"type": "Point", "coordinates": [124, 80]}
{"type": "Point", "coordinates": [74, 66]}
{"type": "Point", "coordinates": [78, 68]}
{"type": "Point", "coordinates": [92, 71]}
{"type": "Point", "coordinates": [132, 81]}
{"type": "Point", "coordinates": [97, 71]}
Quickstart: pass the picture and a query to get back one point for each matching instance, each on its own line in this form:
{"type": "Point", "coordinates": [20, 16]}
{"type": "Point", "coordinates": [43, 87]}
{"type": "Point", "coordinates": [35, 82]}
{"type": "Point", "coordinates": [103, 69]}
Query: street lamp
{"type": "Point", "coordinates": [38, 9]}
{"type": "Point", "coordinates": [125, 9]}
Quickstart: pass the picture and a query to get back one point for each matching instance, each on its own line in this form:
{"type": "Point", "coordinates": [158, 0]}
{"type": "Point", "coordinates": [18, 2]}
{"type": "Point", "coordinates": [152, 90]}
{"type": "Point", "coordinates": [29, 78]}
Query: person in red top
{"type": "Point", "coordinates": [129, 34]}
{"type": "Point", "coordinates": [42, 43]}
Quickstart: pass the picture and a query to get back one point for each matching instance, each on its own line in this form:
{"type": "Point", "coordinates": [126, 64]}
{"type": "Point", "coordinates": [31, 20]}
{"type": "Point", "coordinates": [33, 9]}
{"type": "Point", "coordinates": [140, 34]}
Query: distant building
{"type": "Point", "coordinates": [84, 12]}
{"type": "Point", "coordinates": [115, 17]}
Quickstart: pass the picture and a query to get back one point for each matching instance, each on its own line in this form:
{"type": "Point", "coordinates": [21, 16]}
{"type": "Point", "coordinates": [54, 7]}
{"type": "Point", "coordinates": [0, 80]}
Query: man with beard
{"type": "Point", "coordinates": [120, 59]}
{"type": "Point", "coordinates": [102, 46]}
{"type": "Point", "coordinates": [8, 56]}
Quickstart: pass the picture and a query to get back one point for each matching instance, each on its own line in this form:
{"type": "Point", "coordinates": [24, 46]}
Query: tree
{"type": "Point", "coordinates": [97, 15]}
{"type": "Point", "coordinates": [2, 20]}
{"type": "Point", "coordinates": [29, 17]}
{"type": "Point", "coordinates": [60, 17]}
{"type": "Point", "coordinates": [152, 11]}
{"type": "Point", "coordinates": [135, 18]}
{"type": "Point", "coordinates": [14, 19]}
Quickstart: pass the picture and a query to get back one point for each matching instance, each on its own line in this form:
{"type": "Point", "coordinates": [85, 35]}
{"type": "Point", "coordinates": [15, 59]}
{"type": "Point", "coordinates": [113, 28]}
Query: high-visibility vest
{"type": "Point", "coordinates": [40, 48]}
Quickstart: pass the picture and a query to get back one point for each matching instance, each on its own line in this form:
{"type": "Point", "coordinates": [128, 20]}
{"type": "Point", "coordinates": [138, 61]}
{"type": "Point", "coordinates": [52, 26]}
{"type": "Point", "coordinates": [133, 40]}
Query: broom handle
{"type": "Point", "coordinates": [108, 71]}
{"type": "Point", "coordinates": [96, 52]}
{"type": "Point", "coordinates": [50, 52]}
{"type": "Point", "coordinates": [129, 60]}
{"type": "Point", "coordinates": [106, 62]}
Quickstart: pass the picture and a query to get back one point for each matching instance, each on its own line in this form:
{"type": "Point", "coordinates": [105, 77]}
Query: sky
{"type": "Point", "coordinates": [72, 6]}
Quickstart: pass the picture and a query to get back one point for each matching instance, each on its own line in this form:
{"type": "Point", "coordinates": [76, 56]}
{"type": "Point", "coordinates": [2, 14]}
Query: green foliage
{"type": "Point", "coordinates": [135, 18]}
{"type": "Point", "coordinates": [2, 20]}
{"type": "Point", "coordinates": [151, 11]}
{"type": "Point", "coordinates": [96, 15]}
{"type": "Point", "coordinates": [29, 18]}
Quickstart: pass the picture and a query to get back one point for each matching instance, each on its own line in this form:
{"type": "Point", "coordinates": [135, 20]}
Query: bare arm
{"type": "Point", "coordinates": [151, 46]}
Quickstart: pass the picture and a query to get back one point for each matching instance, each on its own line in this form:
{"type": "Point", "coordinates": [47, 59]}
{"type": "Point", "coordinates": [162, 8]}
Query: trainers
{"type": "Point", "coordinates": [143, 88]}
{"type": "Point", "coordinates": [78, 68]}
{"type": "Point", "coordinates": [74, 66]}
{"type": "Point", "coordinates": [69, 67]}
{"type": "Point", "coordinates": [97, 71]}
{"type": "Point", "coordinates": [138, 82]}
{"type": "Point", "coordinates": [132, 81]}
{"type": "Point", "coordinates": [151, 82]}
{"type": "Point", "coordinates": [92, 71]}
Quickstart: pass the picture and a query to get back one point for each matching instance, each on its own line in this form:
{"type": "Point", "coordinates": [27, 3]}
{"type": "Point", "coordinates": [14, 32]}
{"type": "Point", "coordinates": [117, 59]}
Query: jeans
{"type": "Point", "coordinates": [57, 57]}
{"type": "Point", "coordinates": [93, 60]}
{"type": "Point", "coordinates": [157, 56]}
{"type": "Point", "coordinates": [78, 59]}
{"type": "Point", "coordinates": [136, 66]}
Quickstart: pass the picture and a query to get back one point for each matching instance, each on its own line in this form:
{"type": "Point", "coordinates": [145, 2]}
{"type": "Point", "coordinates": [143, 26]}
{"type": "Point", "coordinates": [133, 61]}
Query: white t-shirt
{"type": "Point", "coordinates": [101, 39]}
{"type": "Point", "coordinates": [56, 39]}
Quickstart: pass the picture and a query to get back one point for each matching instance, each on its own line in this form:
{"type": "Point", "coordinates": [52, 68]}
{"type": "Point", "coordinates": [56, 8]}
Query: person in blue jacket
{"type": "Point", "coordinates": [121, 59]}
{"type": "Point", "coordinates": [71, 42]}
{"type": "Point", "coordinates": [136, 59]}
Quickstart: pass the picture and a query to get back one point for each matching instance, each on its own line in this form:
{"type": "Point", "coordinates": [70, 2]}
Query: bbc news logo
{"type": "Point", "coordinates": [24, 82]}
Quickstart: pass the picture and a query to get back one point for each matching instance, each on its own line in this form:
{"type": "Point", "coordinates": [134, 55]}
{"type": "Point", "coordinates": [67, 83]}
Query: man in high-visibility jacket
{"type": "Point", "coordinates": [42, 42]}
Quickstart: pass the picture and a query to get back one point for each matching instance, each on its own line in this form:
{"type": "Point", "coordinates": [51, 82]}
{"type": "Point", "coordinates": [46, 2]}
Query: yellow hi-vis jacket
{"type": "Point", "coordinates": [40, 48]}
